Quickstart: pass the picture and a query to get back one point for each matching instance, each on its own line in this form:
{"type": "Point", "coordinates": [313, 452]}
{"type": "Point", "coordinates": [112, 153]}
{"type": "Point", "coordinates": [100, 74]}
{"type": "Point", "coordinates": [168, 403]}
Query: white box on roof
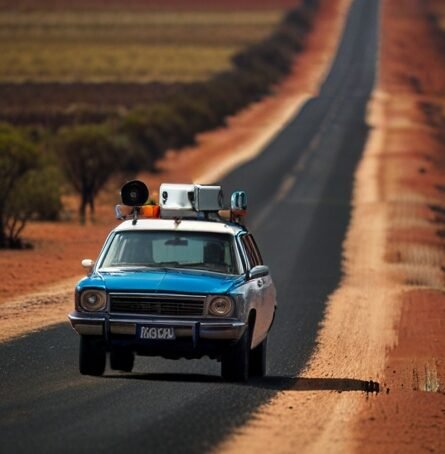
{"type": "Point", "coordinates": [177, 196]}
{"type": "Point", "coordinates": [180, 200]}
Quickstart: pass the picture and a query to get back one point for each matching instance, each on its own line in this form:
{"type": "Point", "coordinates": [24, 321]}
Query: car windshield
{"type": "Point", "coordinates": [191, 250]}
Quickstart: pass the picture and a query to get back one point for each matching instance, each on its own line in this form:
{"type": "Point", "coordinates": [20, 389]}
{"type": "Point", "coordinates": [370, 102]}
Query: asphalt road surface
{"type": "Point", "coordinates": [299, 195]}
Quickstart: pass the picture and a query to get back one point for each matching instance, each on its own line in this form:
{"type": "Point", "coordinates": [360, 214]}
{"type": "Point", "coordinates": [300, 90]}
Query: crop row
{"type": "Point", "coordinates": [55, 104]}
{"type": "Point", "coordinates": [143, 5]}
{"type": "Point", "coordinates": [84, 57]}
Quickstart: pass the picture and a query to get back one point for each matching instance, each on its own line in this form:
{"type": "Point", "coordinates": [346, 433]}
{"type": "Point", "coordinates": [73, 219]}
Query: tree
{"type": "Point", "coordinates": [18, 156]}
{"type": "Point", "coordinates": [89, 155]}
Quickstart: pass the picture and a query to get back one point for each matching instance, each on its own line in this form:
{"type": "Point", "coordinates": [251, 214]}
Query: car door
{"type": "Point", "coordinates": [261, 290]}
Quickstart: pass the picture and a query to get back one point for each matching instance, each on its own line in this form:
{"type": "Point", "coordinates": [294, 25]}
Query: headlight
{"type": "Point", "coordinates": [220, 306]}
{"type": "Point", "coordinates": [92, 300]}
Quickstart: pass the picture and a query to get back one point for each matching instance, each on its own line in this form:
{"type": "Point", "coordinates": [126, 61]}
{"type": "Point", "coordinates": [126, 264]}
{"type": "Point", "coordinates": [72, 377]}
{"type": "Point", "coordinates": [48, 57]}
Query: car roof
{"type": "Point", "coordinates": [181, 226]}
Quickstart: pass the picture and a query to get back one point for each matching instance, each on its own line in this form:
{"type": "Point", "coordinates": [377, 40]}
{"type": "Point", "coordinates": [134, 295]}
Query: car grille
{"type": "Point", "coordinates": [157, 305]}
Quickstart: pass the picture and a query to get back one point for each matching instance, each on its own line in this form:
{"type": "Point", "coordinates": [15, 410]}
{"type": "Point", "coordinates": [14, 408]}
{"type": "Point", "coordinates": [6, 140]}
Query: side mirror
{"type": "Point", "coordinates": [88, 264]}
{"type": "Point", "coordinates": [258, 271]}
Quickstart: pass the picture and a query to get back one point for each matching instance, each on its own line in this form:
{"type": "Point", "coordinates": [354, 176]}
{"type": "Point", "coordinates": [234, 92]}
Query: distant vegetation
{"type": "Point", "coordinates": [54, 64]}
{"type": "Point", "coordinates": [53, 105]}
{"type": "Point", "coordinates": [102, 142]}
{"type": "Point", "coordinates": [125, 46]}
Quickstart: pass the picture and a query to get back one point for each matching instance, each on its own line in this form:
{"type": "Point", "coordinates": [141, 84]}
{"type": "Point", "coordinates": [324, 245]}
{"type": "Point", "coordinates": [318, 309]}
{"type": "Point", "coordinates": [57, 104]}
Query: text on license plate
{"type": "Point", "coordinates": [157, 333]}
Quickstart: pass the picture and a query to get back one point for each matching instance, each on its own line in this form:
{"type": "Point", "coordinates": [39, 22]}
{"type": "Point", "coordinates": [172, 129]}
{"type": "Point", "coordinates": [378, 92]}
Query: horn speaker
{"type": "Point", "coordinates": [134, 193]}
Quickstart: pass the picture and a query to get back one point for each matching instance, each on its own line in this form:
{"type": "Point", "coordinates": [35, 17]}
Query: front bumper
{"type": "Point", "coordinates": [194, 329]}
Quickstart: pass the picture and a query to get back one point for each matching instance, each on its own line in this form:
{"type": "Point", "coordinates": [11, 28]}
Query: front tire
{"type": "Point", "coordinates": [121, 360]}
{"type": "Point", "coordinates": [92, 356]}
{"type": "Point", "coordinates": [235, 362]}
{"type": "Point", "coordinates": [257, 360]}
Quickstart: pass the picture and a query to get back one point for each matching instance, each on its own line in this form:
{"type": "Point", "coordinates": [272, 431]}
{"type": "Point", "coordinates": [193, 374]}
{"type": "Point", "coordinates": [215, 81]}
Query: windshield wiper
{"type": "Point", "coordinates": [168, 265]}
{"type": "Point", "coordinates": [133, 266]}
{"type": "Point", "coordinates": [206, 267]}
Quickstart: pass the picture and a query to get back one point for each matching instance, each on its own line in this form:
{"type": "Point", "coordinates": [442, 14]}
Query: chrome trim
{"type": "Point", "coordinates": [224, 324]}
{"type": "Point", "coordinates": [149, 297]}
{"type": "Point", "coordinates": [85, 318]}
{"type": "Point", "coordinates": [157, 295]}
{"type": "Point", "coordinates": [89, 329]}
{"type": "Point", "coordinates": [154, 321]}
{"type": "Point", "coordinates": [245, 259]}
{"type": "Point", "coordinates": [208, 329]}
{"type": "Point", "coordinates": [140, 317]}
{"type": "Point", "coordinates": [128, 329]}
{"type": "Point", "coordinates": [233, 332]}
{"type": "Point", "coordinates": [86, 325]}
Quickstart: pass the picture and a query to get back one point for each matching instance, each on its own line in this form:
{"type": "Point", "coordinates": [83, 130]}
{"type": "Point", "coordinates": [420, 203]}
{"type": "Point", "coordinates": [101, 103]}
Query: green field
{"type": "Point", "coordinates": [125, 46]}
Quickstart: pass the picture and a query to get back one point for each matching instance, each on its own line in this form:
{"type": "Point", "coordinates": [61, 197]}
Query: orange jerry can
{"type": "Point", "coordinates": [150, 211]}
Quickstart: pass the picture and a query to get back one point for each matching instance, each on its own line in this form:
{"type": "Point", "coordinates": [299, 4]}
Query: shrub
{"type": "Point", "coordinates": [18, 156]}
{"type": "Point", "coordinates": [36, 196]}
{"type": "Point", "coordinates": [42, 190]}
{"type": "Point", "coordinates": [145, 141]}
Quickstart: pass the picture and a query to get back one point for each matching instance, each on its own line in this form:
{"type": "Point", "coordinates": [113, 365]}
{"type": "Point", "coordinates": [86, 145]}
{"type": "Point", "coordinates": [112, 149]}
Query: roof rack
{"type": "Point", "coordinates": [180, 201]}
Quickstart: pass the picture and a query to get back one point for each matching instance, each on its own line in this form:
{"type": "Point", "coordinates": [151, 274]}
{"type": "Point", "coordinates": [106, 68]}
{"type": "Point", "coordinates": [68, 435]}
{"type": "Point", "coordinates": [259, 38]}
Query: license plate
{"type": "Point", "coordinates": [156, 333]}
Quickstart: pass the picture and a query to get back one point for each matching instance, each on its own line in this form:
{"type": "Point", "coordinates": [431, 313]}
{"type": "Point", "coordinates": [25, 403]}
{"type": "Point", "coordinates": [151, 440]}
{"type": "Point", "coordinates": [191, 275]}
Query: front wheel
{"type": "Point", "coordinates": [257, 360]}
{"type": "Point", "coordinates": [235, 362]}
{"type": "Point", "coordinates": [92, 356]}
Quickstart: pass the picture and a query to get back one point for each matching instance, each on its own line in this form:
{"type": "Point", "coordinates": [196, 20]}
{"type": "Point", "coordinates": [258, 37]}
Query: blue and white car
{"type": "Point", "coordinates": [186, 284]}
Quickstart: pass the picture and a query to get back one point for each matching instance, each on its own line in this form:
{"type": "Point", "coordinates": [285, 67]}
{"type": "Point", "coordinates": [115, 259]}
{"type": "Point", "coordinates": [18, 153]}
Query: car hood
{"type": "Point", "coordinates": [162, 281]}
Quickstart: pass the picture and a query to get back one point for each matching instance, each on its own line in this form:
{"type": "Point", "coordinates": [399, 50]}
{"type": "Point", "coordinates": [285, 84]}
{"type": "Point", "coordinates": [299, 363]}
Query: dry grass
{"type": "Point", "coordinates": [116, 46]}
{"type": "Point", "coordinates": [100, 63]}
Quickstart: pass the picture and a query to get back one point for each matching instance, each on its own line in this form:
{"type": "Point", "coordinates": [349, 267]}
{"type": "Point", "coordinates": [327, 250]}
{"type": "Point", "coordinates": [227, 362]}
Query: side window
{"type": "Point", "coordinates": [248, 248]}
{"type": "Point", "coordinates": [256, 251]}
